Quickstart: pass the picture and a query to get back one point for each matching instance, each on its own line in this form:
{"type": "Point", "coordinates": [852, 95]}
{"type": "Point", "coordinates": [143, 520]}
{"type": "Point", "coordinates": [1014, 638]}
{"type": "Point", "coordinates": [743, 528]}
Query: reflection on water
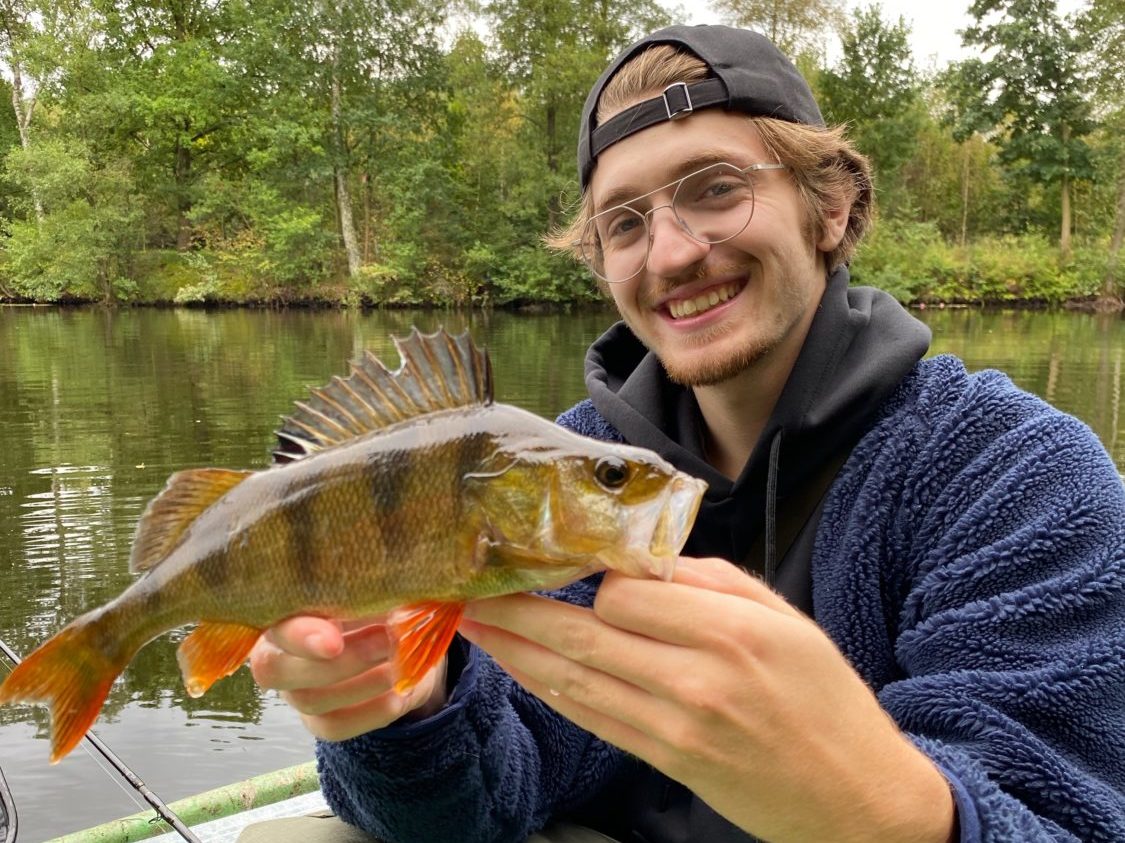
{"type": "Point", "coordinates": [98, 407]}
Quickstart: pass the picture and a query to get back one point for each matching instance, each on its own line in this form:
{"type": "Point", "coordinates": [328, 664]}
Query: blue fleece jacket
{"type": "Point", "coordinates": [970, 563]}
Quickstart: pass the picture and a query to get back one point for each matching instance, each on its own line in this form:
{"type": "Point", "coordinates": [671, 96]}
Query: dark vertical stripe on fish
{"type": "Point", "coordinates": [301, 517]}
{"type": "Point", "coordinates": [390, 481]}
{"type": "Point", "coordinates": [214, 571]}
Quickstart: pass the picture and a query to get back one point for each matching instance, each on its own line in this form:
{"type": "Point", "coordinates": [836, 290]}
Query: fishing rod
{"type": "Point", "coordinates": [165, 813]}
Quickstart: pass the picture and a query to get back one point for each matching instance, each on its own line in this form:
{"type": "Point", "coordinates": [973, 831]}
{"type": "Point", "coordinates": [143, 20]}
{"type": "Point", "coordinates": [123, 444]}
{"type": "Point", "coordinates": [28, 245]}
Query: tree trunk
{"type": "Point", "coordinates": [183, 200]}
{"type": "Point", "coordinates": [1064, 234]}
{"type": "Point", "coordinates": [24, 109]}
{"type": "Point", "coordinates": [553, 208]}
{"type": "Point", "coordinates": [343, 193]}
{"type": "Point", "coordinates": [965, 195]}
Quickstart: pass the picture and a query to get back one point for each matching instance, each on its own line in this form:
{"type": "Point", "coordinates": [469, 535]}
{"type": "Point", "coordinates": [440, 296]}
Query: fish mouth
{"type": "Point", "coordinates": [657, 534]}
{"type": "Point", "coordinates": [685, 494]}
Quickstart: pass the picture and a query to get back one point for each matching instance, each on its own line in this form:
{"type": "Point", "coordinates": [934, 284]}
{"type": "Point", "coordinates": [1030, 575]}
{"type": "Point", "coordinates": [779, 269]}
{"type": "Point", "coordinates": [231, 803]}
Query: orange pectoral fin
{"type": "Point", "coordinates": [212, 651]}
{"type": "Point", "coordinates": [422, 633]}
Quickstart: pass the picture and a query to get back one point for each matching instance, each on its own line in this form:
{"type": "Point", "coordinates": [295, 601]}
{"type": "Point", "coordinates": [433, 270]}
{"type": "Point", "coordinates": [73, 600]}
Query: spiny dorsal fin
{"type": "Point", "coordinates": [438, 372]}
{"type": "Point", "coordinates": [184, 498]}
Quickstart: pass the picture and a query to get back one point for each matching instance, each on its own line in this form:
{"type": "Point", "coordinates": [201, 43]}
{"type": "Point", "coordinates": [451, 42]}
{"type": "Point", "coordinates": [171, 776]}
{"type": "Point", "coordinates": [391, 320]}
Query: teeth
{"type": "Point", "coordinates": [703, 302]}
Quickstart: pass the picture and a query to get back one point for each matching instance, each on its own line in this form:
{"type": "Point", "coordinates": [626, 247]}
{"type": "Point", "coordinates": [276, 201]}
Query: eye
{"type": "Point", "coordinates": [611, 473]}
{"type": "Point", "coordinates": [623, 226]}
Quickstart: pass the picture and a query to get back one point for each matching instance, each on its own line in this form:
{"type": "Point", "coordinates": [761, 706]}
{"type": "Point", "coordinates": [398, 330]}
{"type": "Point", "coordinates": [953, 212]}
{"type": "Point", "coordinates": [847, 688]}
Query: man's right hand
{"type": "Point", "coordinates": [338, 676]}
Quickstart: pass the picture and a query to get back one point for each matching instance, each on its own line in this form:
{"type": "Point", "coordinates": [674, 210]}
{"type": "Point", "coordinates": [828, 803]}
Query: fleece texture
{"type": "Point", "coordinates": [970, 563]}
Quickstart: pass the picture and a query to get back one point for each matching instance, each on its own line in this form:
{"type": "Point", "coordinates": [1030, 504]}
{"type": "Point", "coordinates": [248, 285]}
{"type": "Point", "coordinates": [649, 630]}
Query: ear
{"type": "Point", "coordinates": [832, 227]}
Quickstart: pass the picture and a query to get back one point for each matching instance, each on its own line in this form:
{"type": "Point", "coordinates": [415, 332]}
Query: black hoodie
{"type": "Point", "coordinates": [860, 345]}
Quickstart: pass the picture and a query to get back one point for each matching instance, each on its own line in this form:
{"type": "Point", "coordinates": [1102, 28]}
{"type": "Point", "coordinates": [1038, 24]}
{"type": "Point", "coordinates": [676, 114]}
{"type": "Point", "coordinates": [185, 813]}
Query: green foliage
{"type": "Point", "coordinates": [875, 89]}
{"type": "Point", "coordinates": [207, 151]}
{"type": "Point", "coordinates": [905, 259]}
{"type": "Point", "coordinates": [1032, 92]}
{"type": "Point", "coordinates": [914, 263]}
{"type": "Point", "coordinates": [82, 246]}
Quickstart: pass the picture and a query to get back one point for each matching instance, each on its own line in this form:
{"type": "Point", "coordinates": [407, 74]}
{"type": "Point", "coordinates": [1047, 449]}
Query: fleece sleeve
{"type": "Point", "coordinates": [973, 570]}
{"type": "Point", "coordinates": [492, 767]}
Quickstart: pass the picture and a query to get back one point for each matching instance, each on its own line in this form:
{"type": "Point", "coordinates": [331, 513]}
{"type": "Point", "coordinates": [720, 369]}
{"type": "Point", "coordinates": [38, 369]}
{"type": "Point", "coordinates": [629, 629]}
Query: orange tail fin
{"type": "Point", "coordinates": [73, 676]}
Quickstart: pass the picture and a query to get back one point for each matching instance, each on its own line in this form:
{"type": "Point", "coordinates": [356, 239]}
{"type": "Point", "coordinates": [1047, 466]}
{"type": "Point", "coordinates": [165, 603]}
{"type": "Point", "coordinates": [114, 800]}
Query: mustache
{"type": "Point", "coordinates": [663, 287]}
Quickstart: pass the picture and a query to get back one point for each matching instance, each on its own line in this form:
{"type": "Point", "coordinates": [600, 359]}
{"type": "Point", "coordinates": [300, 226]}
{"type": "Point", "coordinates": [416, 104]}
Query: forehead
{"type": "Point", "coordinates": [664, 152]}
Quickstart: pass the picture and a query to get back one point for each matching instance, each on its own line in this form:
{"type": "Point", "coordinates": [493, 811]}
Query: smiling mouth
{"type": "Point", "coordinates": [682, 308]}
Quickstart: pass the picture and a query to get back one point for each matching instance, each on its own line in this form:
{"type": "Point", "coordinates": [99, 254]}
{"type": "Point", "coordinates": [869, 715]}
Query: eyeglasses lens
{"type": "Point", "coordinates": [711, 205]}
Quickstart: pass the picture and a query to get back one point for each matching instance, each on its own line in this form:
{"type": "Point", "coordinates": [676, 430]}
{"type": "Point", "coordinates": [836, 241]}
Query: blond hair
{"type": "Point", "coordinates": [826, 168]}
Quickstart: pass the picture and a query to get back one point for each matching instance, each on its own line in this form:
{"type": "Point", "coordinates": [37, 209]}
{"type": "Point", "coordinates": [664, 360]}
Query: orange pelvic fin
{"type": "Point", "coordinates": [422, 633]}
{"type": "Point", "coordinates": [212, 651]}
{"type": "Point", "coordinates": [72, 676]}
{"type": "Point", "coordinates": [184, 498]}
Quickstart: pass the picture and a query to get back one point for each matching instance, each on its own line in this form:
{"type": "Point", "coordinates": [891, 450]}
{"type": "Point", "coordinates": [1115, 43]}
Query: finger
{"type": "Point", "coordinates": [569, 686]}
{"type": "Point", "coordinates": [637, 741]}
{"type": "Point", "coordinates": [349, 692]}
{"type": "Point", "coordinates": [719, 575]}
{"type": "Point", "coordinates": [307, 636]}
{"type": "Point", "coordinates": [278, 669]}
{"type": "Point", "coordinates": [569, 648]}
{"type": "Point", "coordinates": [374, 712]}
{"type": "Point", "coordinates": [344, 723]}
{"type": "Point", "coordinates": [685, 615]}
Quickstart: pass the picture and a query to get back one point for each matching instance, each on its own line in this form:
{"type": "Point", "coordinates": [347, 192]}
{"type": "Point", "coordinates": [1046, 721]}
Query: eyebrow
{"type": "Point", "coordinates": [623, 194]}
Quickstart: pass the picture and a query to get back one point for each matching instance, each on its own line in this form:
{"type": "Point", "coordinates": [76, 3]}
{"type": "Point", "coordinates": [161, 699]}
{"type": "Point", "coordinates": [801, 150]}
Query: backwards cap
{"type": "Point", "coordinates": [750, 75]}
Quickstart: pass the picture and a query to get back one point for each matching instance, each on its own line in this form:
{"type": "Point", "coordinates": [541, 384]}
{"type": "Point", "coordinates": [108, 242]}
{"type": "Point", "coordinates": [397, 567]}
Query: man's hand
{"type": "Point", "coordinates": [720, 684]}
{"type": "Point", "coordinates": [338, 677]}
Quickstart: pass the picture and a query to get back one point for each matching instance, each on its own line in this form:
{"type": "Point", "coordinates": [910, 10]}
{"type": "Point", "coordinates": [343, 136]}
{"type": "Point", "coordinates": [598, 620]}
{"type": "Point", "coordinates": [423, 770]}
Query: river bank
{"type": "Point", "coordinates": [911, 261]}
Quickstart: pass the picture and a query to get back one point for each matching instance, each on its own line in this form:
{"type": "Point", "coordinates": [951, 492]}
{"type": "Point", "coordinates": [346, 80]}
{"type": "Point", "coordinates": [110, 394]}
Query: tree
{"type": "Point", "coordinates": [15, 32]}
{"type": "Point", "coordinates": [1103, 23]}
{"type": "Point", "coordinates": [795, 26]}
{"type": "Point", "coordinates": [1031, 93]}
{"type": "Point", "coordinates": [874, 89]}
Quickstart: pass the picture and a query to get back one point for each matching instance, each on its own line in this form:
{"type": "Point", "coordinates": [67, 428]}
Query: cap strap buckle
{"type": "Point", "coordinates": [679, 104]}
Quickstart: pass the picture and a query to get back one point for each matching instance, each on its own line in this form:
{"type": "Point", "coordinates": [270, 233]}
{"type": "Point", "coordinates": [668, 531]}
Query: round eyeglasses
{"type": "Point", "coordinates": [711, 205]}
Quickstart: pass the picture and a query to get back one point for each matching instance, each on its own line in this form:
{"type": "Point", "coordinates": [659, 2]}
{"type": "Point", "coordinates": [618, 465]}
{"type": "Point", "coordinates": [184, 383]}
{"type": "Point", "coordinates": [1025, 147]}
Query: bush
{"type": "Point", "coordinates": [912, 262]}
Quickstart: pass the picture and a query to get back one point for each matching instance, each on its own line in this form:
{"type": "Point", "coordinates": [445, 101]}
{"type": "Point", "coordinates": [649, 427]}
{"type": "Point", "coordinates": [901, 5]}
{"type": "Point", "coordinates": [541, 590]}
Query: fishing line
{"type": "Point", "coordinates": [165, 813]}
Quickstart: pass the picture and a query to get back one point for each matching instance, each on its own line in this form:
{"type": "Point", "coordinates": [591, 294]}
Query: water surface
{"type": "Point", "coordinates": [98, 407]}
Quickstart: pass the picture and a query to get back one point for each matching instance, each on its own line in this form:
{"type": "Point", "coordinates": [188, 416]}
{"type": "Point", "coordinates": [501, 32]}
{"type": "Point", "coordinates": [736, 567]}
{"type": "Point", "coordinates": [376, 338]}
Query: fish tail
{"type": "Point", "coordinates": [73, 674]}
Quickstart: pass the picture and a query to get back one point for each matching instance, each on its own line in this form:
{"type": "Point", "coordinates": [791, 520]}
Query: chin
{"type": "Point", "coordinates": [708, 369]}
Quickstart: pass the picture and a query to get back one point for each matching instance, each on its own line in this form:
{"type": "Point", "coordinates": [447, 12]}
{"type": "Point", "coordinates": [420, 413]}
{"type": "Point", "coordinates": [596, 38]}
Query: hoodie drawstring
{"type": "Point", "coordinates": [771, 509]}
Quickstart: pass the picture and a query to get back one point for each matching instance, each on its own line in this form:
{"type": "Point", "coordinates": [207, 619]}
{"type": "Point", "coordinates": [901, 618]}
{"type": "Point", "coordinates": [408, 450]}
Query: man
{"type": "Point", "coordinates": [934, 647]}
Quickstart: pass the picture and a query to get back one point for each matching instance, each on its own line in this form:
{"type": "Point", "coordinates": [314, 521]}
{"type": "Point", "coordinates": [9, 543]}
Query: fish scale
{"type": "Point", "coordinates": [395, 494]}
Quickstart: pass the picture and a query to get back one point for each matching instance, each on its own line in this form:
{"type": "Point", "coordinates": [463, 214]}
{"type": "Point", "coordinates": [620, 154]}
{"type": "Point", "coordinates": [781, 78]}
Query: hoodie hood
{"type": "Point", "coordinates": [861, 344]}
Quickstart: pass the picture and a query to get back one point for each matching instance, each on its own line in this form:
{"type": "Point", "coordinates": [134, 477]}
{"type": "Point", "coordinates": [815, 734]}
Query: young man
{"type": "Point", "coordinates": [934, 647]}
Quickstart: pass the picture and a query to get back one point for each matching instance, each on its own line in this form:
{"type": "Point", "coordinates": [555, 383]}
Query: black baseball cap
{"type": "Point", "coordinates": [749, 75]}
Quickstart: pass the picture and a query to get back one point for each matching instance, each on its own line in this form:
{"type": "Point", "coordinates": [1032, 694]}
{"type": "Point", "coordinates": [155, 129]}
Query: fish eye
{"type": "Point", "coordinates": [611, 473]}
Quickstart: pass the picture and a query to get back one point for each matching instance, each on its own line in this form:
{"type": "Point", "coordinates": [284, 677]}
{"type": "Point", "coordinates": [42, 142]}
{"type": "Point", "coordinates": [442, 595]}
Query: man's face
{"type": "Point", "coordinates": [710, 312]}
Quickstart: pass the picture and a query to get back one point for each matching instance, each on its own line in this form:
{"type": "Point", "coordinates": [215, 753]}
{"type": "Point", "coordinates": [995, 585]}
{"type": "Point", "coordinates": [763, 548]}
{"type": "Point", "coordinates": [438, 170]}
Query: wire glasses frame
{"type": "Point", "coordinates": [711, 205]}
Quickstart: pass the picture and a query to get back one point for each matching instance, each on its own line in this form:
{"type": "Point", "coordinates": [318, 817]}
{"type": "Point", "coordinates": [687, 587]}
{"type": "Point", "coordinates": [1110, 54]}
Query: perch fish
{"type": "Point", "coordinates": [406, 492]}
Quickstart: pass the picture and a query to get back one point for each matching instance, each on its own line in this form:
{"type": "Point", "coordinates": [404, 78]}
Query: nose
{"type": "Point", "coordinates": [671, 250]}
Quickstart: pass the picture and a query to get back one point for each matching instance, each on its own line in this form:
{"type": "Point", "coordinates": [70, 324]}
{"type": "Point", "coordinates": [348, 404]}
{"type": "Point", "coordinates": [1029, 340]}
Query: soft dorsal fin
{"type": "Point", "coordinates": [438, 372]}
{"type": "Point", "coordinates": [184, 498]}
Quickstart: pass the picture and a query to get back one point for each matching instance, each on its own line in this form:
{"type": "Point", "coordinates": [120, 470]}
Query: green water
{"type": "Point", "coordinates": [98, 407]}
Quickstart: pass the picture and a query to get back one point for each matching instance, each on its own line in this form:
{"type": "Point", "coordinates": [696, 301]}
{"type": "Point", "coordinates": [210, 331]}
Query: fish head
{"type": "Point", "coordinates": [626, 507]}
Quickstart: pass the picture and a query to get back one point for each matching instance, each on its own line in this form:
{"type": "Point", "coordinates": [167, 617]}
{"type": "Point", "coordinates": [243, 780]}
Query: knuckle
{"type": "Point", "coordinates": [575, 683]}
{"type": "Point", "coordinates": [578, 642]}
{"type": "Point", "coordinates": [264, 664]}
{"type": "Point", "coordinates": [308, 701]}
